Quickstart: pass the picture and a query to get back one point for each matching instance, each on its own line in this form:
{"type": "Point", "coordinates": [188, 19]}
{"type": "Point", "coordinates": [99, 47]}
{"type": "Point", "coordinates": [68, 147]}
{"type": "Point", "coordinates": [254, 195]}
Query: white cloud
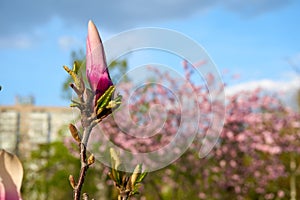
{"type": "Point", "coordinates": [66, 43]}
{"type": "Point", "coordinates": [22, 16]}
{"type": "Point", "coordinates": [265, 84]}
{"type": "Point", "coordinates": [254, 7]}
{"type": "Point", "coordinates": [18, 42]}
{"type": "Point", "coordinates": [286, 90]}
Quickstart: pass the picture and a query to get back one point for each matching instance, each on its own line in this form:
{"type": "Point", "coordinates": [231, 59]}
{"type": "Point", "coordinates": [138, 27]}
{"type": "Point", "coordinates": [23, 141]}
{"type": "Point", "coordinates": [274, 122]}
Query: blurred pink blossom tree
{"type": "Point", "coordinates": [257, 156]}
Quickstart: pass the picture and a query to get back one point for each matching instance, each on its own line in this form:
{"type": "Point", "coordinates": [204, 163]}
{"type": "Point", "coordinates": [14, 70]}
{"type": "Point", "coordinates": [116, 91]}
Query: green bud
{"type": "Point", "coordinates": [135, 174]}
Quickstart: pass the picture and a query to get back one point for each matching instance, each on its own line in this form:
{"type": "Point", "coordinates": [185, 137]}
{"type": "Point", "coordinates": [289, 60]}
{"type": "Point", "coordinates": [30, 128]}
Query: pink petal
{"type": "Point", "coordinates": [96, 68]}
{"type": "Point", "coordinates": [11, 173]}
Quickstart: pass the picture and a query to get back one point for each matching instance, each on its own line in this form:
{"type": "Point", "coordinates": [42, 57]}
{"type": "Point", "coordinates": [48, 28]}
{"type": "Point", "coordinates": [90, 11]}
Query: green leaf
{"type": "Point", "coordinates": [115, 160]}
{"type": "Point", "coordinates": [103, 101]}
{"type": "Point", "coordinates": [115, 103]}
{"type": "Point", "coordinates": [115, 164]}
{"type": "Point", "coordinates": [76, 67]}
{"type": "Point", "coordinates": [116, 176]}
{"type": "Point", "coordinates": [141, 177]}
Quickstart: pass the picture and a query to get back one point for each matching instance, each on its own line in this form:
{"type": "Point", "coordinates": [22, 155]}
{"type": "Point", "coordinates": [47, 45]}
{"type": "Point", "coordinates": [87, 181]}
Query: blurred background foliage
{"type": "Point", "coordinates": [48, 167]}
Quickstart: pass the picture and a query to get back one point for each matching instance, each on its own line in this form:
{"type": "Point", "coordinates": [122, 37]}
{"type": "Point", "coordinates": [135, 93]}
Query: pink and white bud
{"type": "Point", "coordinates": [96, 67]}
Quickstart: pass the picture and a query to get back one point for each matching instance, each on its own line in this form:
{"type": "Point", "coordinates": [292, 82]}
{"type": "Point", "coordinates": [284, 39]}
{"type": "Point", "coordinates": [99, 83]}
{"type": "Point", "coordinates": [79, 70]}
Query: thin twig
{"type": "Point", "coordinates": [83, 170]}
{"type": "Point", "coordinates": [87, 124]}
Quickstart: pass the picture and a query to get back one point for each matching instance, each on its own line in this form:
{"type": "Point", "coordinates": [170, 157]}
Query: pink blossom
{"type": "Point", "coordinates": [258, 132]}
{"type": "Point", "coordinates": [96, 67]}
{"type": "Point", "coordinates": [280, 193]}
{"type": "Point", "coordinates": [11, 174]}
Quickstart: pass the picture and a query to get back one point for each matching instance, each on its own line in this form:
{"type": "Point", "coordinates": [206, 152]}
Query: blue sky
{"type": "Point", "coordinates": [259, 40]}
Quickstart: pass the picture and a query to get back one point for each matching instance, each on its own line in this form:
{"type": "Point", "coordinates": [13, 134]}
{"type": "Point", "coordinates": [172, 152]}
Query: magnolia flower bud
{"type": "Point", "coordinates": [96, 68]}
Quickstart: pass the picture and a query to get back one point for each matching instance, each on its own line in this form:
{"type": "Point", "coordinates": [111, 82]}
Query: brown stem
{"type": "Point", "coordinates": [83, 170]}
{"type": "Point", "coordinates": [87, 126]}
{"type": "Point", "coordinates": [88, 121]}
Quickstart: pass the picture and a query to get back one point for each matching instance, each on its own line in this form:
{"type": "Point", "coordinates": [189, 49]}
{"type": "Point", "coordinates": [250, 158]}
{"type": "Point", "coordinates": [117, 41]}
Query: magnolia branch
{"type": "Point", "coordinates": [95, 104]}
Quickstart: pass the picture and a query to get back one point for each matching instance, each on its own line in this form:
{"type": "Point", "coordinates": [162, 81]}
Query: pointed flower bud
{"type": "Point", "coordinates": [91, 159]}
{"type": "Point", "coordinates": [96, 67]}
{"type": "Point", "coordinates": [72, 181]}
{"type": "Point", "coordinates": [115, 159]}
{"type": "Point", "coordinates": [135, 174]}
{"type": "Point", "coordinates": [74, 133]}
